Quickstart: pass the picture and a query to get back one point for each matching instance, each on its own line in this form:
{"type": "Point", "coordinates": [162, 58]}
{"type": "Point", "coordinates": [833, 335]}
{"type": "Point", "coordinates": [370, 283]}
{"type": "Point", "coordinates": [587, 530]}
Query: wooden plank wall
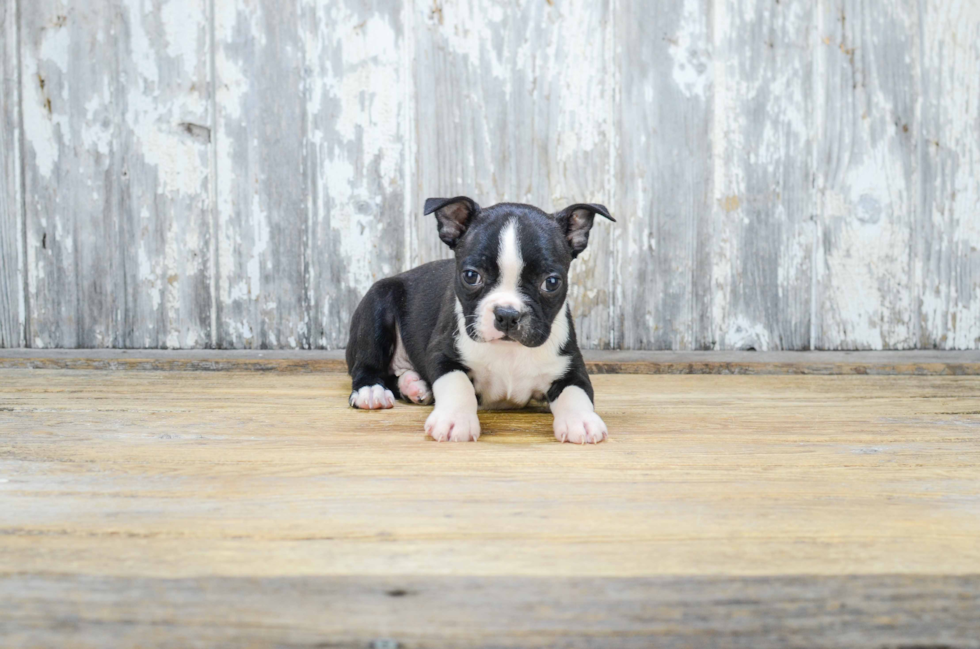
{"type": "Point", "coordinates": [12, 311]}
{"type": "Point", "coordinates": [236, 173]}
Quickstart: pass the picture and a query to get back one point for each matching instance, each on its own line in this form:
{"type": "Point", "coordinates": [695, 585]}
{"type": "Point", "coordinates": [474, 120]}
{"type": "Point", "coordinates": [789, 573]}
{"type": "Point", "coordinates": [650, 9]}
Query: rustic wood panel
{"type": "Point", "coordinates": [514, 103]}
{"type": "Point", "coordinates": [116, 173]}
{"type": "Point", "coordinates": [786, 175]}
{"type": "Point", "coordinates": [734, 505]}
{"type": "Point", "coordinates": [311, 198]}
{"type": "Point", "coordinates": [762, 234]}
{"type": "Point", "coordinates": [262, 184]}
{"type": "Point", "coordinates": [663, 122]}
{"type": "Point", "coordinates": [947, 260]}
{"type": "Point", "coordinates": [867, 173]}
{"type": "Point", "coordinates": [361, 125]}
{"type": "Point", "coordinates": [12, 308]}
{"type": "Point", "coordinates": [223, 473]}
{"type": "Point", "coordinates": [408, 611]}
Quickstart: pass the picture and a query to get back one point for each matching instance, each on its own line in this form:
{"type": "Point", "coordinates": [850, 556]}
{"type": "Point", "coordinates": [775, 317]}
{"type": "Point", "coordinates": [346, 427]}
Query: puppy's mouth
{"type": "Point", "coordinates": [497, 336]}
{"type": "Point", "coordinates": [511, 340]}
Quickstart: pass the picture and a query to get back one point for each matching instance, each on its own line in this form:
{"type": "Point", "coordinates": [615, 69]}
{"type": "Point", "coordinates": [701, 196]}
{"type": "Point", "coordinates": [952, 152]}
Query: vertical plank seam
{"type": "Point", "coordinates": [21, 184]}
{"type": "Point", "coordinates": [694, 296]}
{"type": "Point", "coordinates": [409, 148]}
{"type": "Point", "coordinates": [311, 168]}
{"type": "Point", "coordinates": [408, 127]}
{"type": "Point", "coordinates": [615, 288]}
{"type": "Point", "coordinates": [120, 324]}
{"type": "Point", "coordinates": [692, 234]}
{"type": "Point", "coordinates": [915, 247]}
{"type": "Point", "coordinates": [817, 199]}
{"type": "Point", "coordinates": [213, 178]}
{"type": "Point", "coordinates": [717, 157]}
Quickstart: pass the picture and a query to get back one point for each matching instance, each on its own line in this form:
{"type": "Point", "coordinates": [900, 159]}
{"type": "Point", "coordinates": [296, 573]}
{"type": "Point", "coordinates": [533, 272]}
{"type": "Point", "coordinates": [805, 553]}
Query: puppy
{"type": "Point", "coordinates": [490, 328]}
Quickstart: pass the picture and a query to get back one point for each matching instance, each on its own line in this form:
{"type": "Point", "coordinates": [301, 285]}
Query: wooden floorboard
{"type": "Point", "coordinates": [884, 363]}
{"type": "Point", "coordinates": [93, 612]}
{"type": "Point", "coordinates": [256, 509]}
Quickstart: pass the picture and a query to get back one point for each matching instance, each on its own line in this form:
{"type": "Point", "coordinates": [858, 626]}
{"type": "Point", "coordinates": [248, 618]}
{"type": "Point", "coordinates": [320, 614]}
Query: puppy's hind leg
{"type": "Point", "coordinates": [414, 388]}
{"type": "Point", "coordinates": [371, 347]}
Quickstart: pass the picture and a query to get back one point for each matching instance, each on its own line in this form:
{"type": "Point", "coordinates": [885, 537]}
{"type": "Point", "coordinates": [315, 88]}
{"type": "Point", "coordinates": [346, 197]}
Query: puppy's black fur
{"type": "Point", "coordinates": [421, 304]}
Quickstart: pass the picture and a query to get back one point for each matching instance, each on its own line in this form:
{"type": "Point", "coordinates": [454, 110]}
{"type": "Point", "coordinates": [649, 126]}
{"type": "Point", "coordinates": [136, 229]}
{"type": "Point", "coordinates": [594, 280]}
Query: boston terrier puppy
{"type": "Point", "coordinates": [491, 327]}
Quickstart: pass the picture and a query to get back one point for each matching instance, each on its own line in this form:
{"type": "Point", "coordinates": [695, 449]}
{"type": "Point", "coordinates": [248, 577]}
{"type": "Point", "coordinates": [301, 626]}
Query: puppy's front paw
{"type": "Point", "coordinates": [453, 425]}
{"type": "Point", "coordinates": [413, 388]}
{"type": "Point", "coordinates": [580, 428]}
{"type": "Point", "coordinates": [372, 397]}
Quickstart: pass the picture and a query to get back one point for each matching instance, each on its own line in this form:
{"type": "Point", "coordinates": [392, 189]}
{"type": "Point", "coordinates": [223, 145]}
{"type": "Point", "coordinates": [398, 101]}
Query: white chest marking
{"type": "Point", "coordinates": [508, 374]}
{"type": "Point", "coordinates": [400, 362]}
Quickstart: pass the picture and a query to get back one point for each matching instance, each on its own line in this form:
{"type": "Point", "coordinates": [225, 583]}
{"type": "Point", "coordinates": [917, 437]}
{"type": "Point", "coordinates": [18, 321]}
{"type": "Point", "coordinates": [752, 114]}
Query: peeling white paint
{"type": "Point", "coordinates": [183, 33]}
{"type": "Point", "coordinates": [890, 258]}
{"type": "Point", "coordinates": [149, 276]}
{"type": "Point", "coordinates": [725, 136]}
{"type": "Point", "coordinates": [260, 243]}
{"type": "Point", "coordinates": [867, 258]}
{"type": "Point", "coordinates": [692, 70]}
{"type": "Point", "coordinates": [466, 28]}
{"type": "Point", "coordinates": [367, 130]}
{"type": "Point", "coordinates": [55, 45]}
{"type": "Point", "coordinates": [179, 159]}
{"type": "Point", "coordinates": [45, 129]}
{"type": "Point", "coordinates": [233, 89]}
{"type": "Point", "coordinates": [582, 124]}
{"type": "Point", "coordinates": [743, 334]}
{"type": "Point", "coordinates": [365, 88]}
{"type": "Point", "coordinates": [180, 163]}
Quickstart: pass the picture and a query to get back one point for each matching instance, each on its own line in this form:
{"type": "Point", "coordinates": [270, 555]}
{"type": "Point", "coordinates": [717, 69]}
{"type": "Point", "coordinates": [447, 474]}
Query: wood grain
{"type": "Point", "coordinates": [412, 611]}
{"type": "Point", "coordinates": [310, 170]}
{"type": "Point", "coordinates": [663, 186]}
{"type": "Point", "coordinates": [947, 233]}
{"type": "Point", "coordinates": [262, 184]}
{"type": "Point", "coordinates": [115, 110]}
{"type": "Point", "coordinates": [786, 175]}
{"type": "Point", "coordinates": [919, 363]}
{"type": "Point", "coordinates": [360, 130]}
{"type": "Point", "coordinates": [12, 306]}
{"type": "Point", "coordinates": [867, 174]}
{"type": "Point", "coordinates": [819, 509]}
{"type": "Point", "coordinates": [761, 232]}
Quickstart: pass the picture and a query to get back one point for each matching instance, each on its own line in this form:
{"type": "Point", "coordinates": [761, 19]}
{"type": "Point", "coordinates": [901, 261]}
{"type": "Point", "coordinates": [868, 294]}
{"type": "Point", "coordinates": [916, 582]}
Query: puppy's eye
{"type": "Point", "coordinates": [471, 277]}
{"type": "Point", "coordinates": [551, 284]}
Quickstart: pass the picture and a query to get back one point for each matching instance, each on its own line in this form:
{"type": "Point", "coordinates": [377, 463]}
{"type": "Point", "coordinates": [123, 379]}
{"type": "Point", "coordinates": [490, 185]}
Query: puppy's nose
{"type": "Point", "coordinates": [505, 318]}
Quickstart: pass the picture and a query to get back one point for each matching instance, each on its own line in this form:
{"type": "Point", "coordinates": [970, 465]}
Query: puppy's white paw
{"type": "Point", "coordinates": [583, 427]}
{"type": "Point", "coordinates": [372, 397]}
{"type": "Point", "coordinates": [445, 425]}
{"type": "Point", "coordinates": [413, 388]}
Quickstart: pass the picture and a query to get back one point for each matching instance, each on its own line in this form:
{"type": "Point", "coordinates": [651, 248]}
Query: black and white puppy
{"type": "Point", "coordinates": [490, 328]}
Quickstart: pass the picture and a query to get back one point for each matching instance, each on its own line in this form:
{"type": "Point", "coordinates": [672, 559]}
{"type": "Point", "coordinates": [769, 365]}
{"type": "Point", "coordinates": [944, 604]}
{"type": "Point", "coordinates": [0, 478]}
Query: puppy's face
{"type": "Point", "coordinates": [511, 265]}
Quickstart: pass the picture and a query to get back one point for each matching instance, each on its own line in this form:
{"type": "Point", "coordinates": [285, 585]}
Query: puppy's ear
{"type": "Point", "coordinates": [576, 221]}
{"type": "Point", "coordinates": [453, 215]}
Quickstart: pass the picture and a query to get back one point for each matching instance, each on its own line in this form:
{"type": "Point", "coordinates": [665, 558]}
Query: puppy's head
{"type": "Point", "coordinates": [512, 264]}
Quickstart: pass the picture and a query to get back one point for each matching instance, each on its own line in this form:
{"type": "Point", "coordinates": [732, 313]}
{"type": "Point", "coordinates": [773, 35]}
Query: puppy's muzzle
{"type": "Point", "coordinates": [505, 319]}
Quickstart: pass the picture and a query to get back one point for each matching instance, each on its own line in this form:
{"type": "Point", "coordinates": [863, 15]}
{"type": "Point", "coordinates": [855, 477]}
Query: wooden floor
{"type": "Point", "coordinates": [143, 508]}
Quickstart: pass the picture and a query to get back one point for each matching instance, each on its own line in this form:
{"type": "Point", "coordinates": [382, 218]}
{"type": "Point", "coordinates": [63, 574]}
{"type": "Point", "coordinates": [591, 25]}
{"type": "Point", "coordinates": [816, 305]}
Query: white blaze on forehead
{"type": "Point", "coordinates": [509, 260]}
{"type": "Point", "coordinates": [506, 292]}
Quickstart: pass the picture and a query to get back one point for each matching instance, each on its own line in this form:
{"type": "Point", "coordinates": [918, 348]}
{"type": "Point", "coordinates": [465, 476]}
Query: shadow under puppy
{"type": "Point", "coordinates": [491, 327]}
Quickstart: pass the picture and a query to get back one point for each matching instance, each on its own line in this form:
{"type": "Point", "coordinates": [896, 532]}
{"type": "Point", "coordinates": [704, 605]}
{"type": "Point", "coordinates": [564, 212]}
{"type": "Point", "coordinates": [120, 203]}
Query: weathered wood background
{"type": "Point", "coordinates": [787, 174]}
